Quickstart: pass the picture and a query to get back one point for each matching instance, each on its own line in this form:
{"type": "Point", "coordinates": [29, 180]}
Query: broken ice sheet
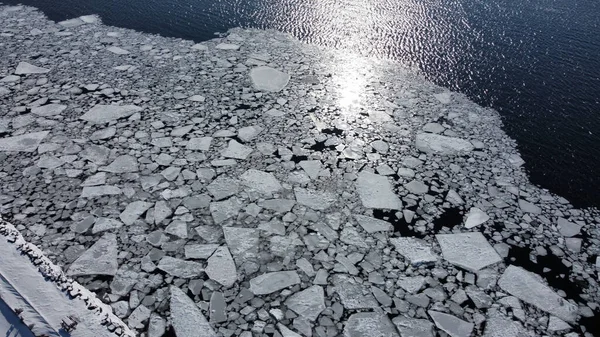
{"type": "Point", "coordinates": [468, 250]}
{"type": "Point", "coordinates": [523, 285]}
{"type": "Point", "coordinates": [376, 191]}
{"type": "Point", "coordinates": [414, 250]}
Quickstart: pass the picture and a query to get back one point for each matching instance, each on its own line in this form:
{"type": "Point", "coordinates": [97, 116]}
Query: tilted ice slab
{"type": "Point", "coordinates": [272, 282]}
{"type": "Point", "coordinates": [369, 324]}
{"type": "Point", "coordinates": [414, 250]}
{"type": "Point", "coordinates": [106, 113]}
{"type": "Point", "coordinates": [25, 143]}
{"type": "Point", "coordinates": [24, 68]}
{"type": "Point", "coordinates": [468, 250]}
{"type": "Point", "coordinates": [452, 325]}
{"type": "Point", "coordinates": [186, 317]}
{"type": "Point", "coordinates": [443, 145]}
{"type": "Point", "coordinates": [376, 191]}
{"type": "Point", "coordinates": [99, 259]}
{"type": "Point", "coordinates": [269, 79]}
{"type": "Point", "coordinates": [528, 288]}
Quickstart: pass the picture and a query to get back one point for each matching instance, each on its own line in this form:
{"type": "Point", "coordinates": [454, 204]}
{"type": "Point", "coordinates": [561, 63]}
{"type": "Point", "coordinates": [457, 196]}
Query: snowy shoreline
{"type": "Point", "coordinates": [269, 180]}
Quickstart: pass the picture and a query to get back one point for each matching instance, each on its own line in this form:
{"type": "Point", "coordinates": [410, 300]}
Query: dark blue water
{"type": "Point", "coordinates": [537, 62]}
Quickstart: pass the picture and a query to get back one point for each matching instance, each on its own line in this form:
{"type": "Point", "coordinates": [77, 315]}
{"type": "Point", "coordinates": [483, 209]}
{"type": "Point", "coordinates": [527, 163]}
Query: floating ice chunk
{"type": "Point", "coordinates": [416, 187]}
{"type": "Point", "coordinates": [525, 286]}
{"type": "Point", "coordinates": [117, 50]}
{"type": "Point", "coordinates": [248, 133]}
{"type": "Point", "coordinates": [98, 191]}
{"type": "Point", "coordinates": [468, 250]}
{"type": "Point", "coordinates": [529, 207]}
{"type": "Point", "coordinates": [453, 326]}
{"type": "Point", "coordinates": [411, 284]}
{"type": "Point", "coordinates": [201, 144]}
{"type": "Point", "coordinates": [271, 282]}
{"type": "Point", "coordinates": [311, 167]}
{"type": "Point", "coordinates": [516, 160]}
{"type": "Point", "coordinates": [556, 324]}
{"type": "Point", "coordinates": [414, 250]}
{"type": "Point", "coordinates": [373, 225]}
{"type": "Point", "coordinates": [476, 217]}
{"type": "Point", "coordinates": [444, 97]}
{"type": "Point", "coordinates": [25, 143]}
{"type": "Point", "coordinates": [227, 46]}
{"type": "Point", "coordinates": [269, 79]}
{"type": "Point", "coordinates": [199, 46]}
{"type": "Point", "coordinates": [369, 324]}
{"type": "Point", "coordinates": [99, 259]}
{"type": "Point", "coordinates": [242, 242]}
{"type": "Point", "coordinates": [90, 18]}
{"type": "Point", "coordinates": [413, 327]}
{"type": "Point", "coordinates": [286, 332]}
{"type": "Point", "coordinates": [186, 317]}
{"type": "Point", "coordinates": [223, 187]}
{"type": "Point", "coordinates": [262, 182]}
{"type": "Point", "coordinates": [308, 303]}
{"type": "Point", "coordinates": [353, 295]}
{"type": "Point", "coordinates": [75, 22]}
{"type": "Point", "coordinates": [180, 268]}
{"type": "Point", "coordinates": [24, 68]}
{"type": "Point", "coordinates": [498, 325]}
{"type": "Point", "coordinates": [567, 228]}
{"type": "Point", "coordinates": [106, 224]}
{"type": "Point", "coordinates": [223, 210]}
{"type": "Point", "coordinates": [236, 150]}
{"type": "Point", "coordinates": [48, 110]}
{"type": "Point", "coordinates": [319, 200]}
{"type": "Point", "coordinates": [442, 145]}
{"type": "Point", "coordinates": [221, 267]}
{"type": "Point", "coordinates": [133, 211]}
{"type": "Point", "coordinates": [106, 113]}
{"type": "Point", "coordinates": [376, 191]}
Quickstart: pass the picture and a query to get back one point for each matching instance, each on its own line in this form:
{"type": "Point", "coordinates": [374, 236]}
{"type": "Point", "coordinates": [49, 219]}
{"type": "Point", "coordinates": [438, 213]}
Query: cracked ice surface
{"type": "Point", "coordinates": [240, 187]}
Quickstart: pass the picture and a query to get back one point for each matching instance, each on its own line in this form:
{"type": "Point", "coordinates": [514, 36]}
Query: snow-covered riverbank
{"type": "Point", "coordinates": [255, 185]}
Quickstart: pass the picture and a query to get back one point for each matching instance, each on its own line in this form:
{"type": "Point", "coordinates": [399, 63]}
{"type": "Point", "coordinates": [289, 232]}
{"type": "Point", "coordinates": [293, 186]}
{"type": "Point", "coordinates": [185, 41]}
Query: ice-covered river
{"type": "Point", "coordinates": [536, 62]}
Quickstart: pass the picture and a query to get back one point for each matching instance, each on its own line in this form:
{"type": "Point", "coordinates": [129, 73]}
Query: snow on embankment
{"type": "Point", "coordinates": [45, 296]}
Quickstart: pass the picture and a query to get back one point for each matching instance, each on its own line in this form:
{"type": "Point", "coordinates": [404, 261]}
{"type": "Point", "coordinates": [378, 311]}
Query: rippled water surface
{"type": "Point", "coordinates": [537, 62]}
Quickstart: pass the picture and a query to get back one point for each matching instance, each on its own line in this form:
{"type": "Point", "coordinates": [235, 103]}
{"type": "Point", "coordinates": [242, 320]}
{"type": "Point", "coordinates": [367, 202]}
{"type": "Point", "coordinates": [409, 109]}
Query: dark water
{"type": "Point", "coordinates": [536, 61]}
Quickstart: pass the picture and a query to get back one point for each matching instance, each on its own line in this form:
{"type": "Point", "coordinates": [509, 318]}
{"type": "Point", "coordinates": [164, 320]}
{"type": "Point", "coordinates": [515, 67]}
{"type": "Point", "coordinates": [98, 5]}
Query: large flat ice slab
{"type": "Point", "coordinates": [271, 282]}
{"type": "Point", "coordinates": [353, 294]}
{"type": "Point", "coordinates": [525, 286]}
{"type": "Point", "coordinates": [180, 268]}
{"type": "Point", "coordinates": [262, 182]}
{"type": "Point", "coordinates": [99, 259]}
{"type": "Point", "coordinates": [106, 113]}
{"type": "Point", "coordinates": [443, 145]}
{"type": "Point", "coordinates": [319, 200]}
{"type": "Point", "coordinates": [48, 110]}
{"type": "Point", "coordinates": [221, 267]}
{"type": "Point", "coordinates": [23, 143]}
{"type": "Point", "coordinates": [414, 250]}
{"type": "Point", "coordinates": [413, 327]}
{"type": "Point", "coordinates": [186, 317]}
{"type": "Point", "coordinates": [468, 250]}
{"type": "Point", "coordinates": [373, 225]}
{"type": "Point", "coordinates": [452, 325]}
{"type": "Point", "coordinates": [269, 79]}
{"type": "Point", "coordinates": [369, 324]}
{"type": "Point", "coordinates": [498, 325]}
{"type": "Point", "coordinates": [376, 191]}
{"type": "Point", "coordinates": [308, 303]}
{"type": "Point", "coordinates": [24, 68]}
